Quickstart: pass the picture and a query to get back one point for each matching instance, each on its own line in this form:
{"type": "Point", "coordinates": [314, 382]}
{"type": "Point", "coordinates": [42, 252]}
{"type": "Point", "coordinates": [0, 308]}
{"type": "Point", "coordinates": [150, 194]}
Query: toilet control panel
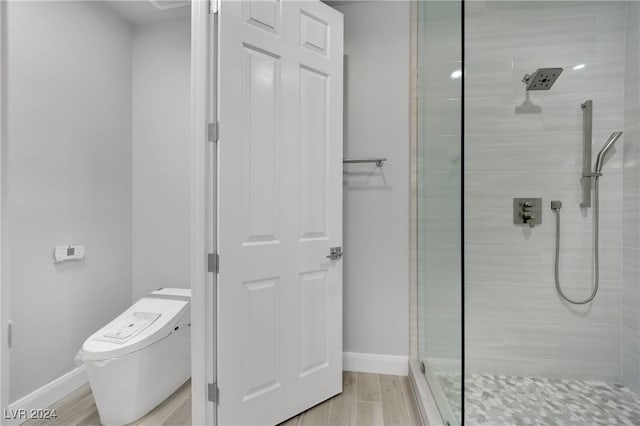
{"type": "Point", "coordinates": [70, 252]}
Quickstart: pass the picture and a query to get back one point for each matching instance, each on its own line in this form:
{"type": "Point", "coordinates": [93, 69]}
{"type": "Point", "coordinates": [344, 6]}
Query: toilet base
{"type": "Point", "coordinates": [127, 388]}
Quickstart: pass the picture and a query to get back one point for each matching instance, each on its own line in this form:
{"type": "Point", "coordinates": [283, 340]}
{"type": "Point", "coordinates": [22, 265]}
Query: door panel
{"type": "Point", "coordinates": [261, 139]}
{"type": "Point", "coordinates": [260, 331]}
{"type": "Point", "coordinates": [314, 315]}
{"type": "Point", "coordinates": [280, 209]}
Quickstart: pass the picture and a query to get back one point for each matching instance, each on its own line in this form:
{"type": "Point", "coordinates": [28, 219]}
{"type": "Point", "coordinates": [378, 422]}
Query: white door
{"type": "Point", "coordinates": [280, 209]}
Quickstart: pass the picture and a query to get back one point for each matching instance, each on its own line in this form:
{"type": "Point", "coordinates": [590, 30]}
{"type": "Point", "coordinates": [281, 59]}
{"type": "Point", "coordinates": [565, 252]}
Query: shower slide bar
{"type": "Point", "coordinates": [587, 175]}
{"type": "Point", "coordinates": [379, 161]}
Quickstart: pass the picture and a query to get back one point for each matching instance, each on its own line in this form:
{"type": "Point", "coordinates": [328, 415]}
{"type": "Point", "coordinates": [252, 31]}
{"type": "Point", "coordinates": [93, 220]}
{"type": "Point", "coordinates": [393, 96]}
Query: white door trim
{"type": "Point", "coordinates": [203, 212]}
{"type": "Point", "coordinates": [4, 284]}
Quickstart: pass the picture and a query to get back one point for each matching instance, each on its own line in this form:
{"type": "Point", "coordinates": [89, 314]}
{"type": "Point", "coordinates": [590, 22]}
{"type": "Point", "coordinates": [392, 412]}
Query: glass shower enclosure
{"type": "Point", "coordinates": [439, 202]}
{"type": "Point", "coordinates": [499, 340]}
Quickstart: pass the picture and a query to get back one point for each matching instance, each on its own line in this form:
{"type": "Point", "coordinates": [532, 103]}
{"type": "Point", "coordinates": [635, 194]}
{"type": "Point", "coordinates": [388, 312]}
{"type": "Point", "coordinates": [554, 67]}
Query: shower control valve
{"type": "Point", "coordinates": [527, 211]}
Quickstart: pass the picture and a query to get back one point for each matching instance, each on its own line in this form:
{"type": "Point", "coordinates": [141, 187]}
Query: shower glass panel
{"type": "Point", "coordinates": [439, 202]}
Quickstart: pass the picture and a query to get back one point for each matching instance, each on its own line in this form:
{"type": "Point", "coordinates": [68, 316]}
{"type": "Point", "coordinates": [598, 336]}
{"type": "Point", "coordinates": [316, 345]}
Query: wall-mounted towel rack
{"type": "Point", "coordinates": [379, 161]}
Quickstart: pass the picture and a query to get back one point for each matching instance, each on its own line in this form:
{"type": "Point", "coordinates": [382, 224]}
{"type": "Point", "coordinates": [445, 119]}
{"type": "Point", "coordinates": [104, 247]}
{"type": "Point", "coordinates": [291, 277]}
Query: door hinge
{"type": "Point", "coordinates": [213, 262]}
{"type": "Point", "coordinates": [212, 131]}
{"type": "Point", "coordinates": [213, 392]}
{"type": "Point", "coordinates": [213, 6]}
{"type": "Point", "coordinates": [9, 334]}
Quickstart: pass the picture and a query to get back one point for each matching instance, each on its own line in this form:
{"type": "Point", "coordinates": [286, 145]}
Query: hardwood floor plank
{"type": "Point", "coordinates": [394, 408]}
{"type": "Point", "coordinates": [343, 406]}
{"type": "Point", "coordinates": [410, 400]}
{"type": "Point", "coordinates": [74, 412]}
{"type": "Point", "coordinates": [92, 419]}
{"type": "Point", "coordinates": [163, 411]}
{"type": "Point", "coordinates": [369, 414]}
{"type": "Point", "coordinates": [368, 387]}
{"type": "Point", "coordinates": [317, 416]}
{"type": "Point", "coordinates": [294, 421]}
{"type": "Point", "coordinates": [181, 416]}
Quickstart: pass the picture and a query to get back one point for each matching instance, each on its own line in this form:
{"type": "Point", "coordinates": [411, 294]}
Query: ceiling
{"type": "Point", "coordinates": [144, 11]}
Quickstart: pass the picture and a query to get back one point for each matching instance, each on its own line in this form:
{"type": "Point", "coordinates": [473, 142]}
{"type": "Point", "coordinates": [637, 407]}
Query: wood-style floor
{"type": "Point", "coordinates": [366, 400]}
{"type": "Point", "coordinates": [79, 408]}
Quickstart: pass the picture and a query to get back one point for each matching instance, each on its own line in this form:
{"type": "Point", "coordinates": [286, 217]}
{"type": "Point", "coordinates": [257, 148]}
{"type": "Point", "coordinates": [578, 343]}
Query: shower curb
{"type": "Point", "coordinates": [424, 398]}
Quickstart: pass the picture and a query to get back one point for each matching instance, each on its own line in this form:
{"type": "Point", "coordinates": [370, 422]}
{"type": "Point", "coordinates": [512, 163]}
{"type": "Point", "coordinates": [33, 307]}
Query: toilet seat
{"type": "Point", "coordinates": [152, 318]}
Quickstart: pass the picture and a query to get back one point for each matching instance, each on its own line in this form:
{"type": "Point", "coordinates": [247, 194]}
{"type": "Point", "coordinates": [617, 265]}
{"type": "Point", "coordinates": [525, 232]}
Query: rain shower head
{"type": "Point", "coordinates": [542, 78]}
{"type": "Point", "coordinates": [605, 149]}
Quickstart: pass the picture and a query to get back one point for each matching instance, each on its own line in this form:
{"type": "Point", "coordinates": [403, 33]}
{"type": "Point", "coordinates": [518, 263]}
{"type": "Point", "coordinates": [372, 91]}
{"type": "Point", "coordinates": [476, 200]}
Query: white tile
{"type": "Point", "coordinates": [630, 314]}
{"type": "Point", "coordinates": [581, 370]}
{"type": "Point", "coordinates": [631, 359]}
{"type": "Point", "coordinates": [516, 322]}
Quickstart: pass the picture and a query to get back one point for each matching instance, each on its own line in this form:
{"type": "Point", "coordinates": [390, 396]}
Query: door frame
{"type": "Point", "coordinates": [4, 285]}
{"type": "Point", "coordinates": [203, 186]}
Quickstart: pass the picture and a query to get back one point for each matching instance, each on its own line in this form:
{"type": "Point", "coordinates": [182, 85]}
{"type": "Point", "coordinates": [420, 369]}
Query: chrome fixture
{"type": "Point", "coordinates": [604, 150]}
{"type": "Point", "coordinates": [588, 175]}
{"type": "Point", "coordinates": [587, 178]}
{"type": "Point", "coordinates": [379, 161]}
{"type": "Point", "coordinates": [556, 206]}
{"type": "Point", "coordinates": [335, 253]}
{"type": "Point", "coordinates": [542, 78]}
{"type": "Point", "coordinates": [587, 119]}
{"type": "Point", "coordinates": [527, 211]}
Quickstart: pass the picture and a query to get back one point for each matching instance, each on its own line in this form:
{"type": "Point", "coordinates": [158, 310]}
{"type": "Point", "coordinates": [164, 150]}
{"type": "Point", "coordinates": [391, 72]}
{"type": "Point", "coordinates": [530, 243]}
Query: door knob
{"type": "Point", "coordinates": [335, 253]}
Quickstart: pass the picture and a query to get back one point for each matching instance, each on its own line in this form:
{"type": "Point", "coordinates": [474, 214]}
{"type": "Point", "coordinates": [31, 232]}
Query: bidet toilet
{"type": "Point", "coordinates": [140, 358]}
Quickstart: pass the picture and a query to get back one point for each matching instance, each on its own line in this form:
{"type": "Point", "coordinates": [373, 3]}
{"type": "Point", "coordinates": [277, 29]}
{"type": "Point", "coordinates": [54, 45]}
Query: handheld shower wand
{"type": "Point", "coordinates": [604, 150]}
{"type": "Point", "coordinates": [556, 205]}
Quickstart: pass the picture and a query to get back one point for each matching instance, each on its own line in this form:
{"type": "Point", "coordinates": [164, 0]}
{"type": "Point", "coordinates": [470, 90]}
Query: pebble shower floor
{"type": "Point", "coordinates": [512, 400]}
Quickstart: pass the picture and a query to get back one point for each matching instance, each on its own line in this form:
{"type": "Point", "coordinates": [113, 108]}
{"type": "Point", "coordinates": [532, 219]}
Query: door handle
{"type": "Point", "coordinates": [335, 253]}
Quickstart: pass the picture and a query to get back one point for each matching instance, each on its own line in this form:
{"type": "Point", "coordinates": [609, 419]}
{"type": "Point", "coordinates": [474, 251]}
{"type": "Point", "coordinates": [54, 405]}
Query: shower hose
{"type": "Point", "coordinates": [596, 268]}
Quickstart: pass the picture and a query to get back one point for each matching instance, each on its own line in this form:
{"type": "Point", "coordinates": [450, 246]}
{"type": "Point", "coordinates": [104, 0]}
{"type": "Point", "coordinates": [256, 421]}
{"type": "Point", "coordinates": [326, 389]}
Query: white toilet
{"type": "Point", "coordinates": [140, 358]}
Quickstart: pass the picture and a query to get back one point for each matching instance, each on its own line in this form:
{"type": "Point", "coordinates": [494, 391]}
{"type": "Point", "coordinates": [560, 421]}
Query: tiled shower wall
{"type": "Point", "coordinates": [631, 205]}
{"type": "Point", "coordinates": [515, 321]}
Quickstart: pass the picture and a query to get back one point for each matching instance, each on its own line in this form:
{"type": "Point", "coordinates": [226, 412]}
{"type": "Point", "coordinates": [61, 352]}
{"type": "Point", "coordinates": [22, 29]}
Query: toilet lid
{"type": "Point", "coordinates": [150, 319]}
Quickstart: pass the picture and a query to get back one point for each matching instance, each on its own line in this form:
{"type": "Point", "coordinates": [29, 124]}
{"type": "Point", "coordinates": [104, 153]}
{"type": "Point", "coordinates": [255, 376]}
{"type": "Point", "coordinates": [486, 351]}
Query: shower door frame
{"type": "Point", "coordinates": [426, 397]}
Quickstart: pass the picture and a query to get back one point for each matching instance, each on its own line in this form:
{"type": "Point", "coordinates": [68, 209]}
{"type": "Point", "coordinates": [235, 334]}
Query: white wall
{"type": "Point", "coordinates": [161, 56]}
{"type": "Point", "coordinates": [376, 201]}
{"type": "Point", "coordinates": [516, 322]}
{"type": "Point", "coordinates": [631, 205]}
{"type": "Point", "coordinates": [69, 180]}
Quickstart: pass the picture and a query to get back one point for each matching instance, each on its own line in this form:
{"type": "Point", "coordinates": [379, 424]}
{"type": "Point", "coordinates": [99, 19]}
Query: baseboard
{"type": "Point", "coordinates": [44, 397]}
{"type": "Point", "coordinates": [375, 363]}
